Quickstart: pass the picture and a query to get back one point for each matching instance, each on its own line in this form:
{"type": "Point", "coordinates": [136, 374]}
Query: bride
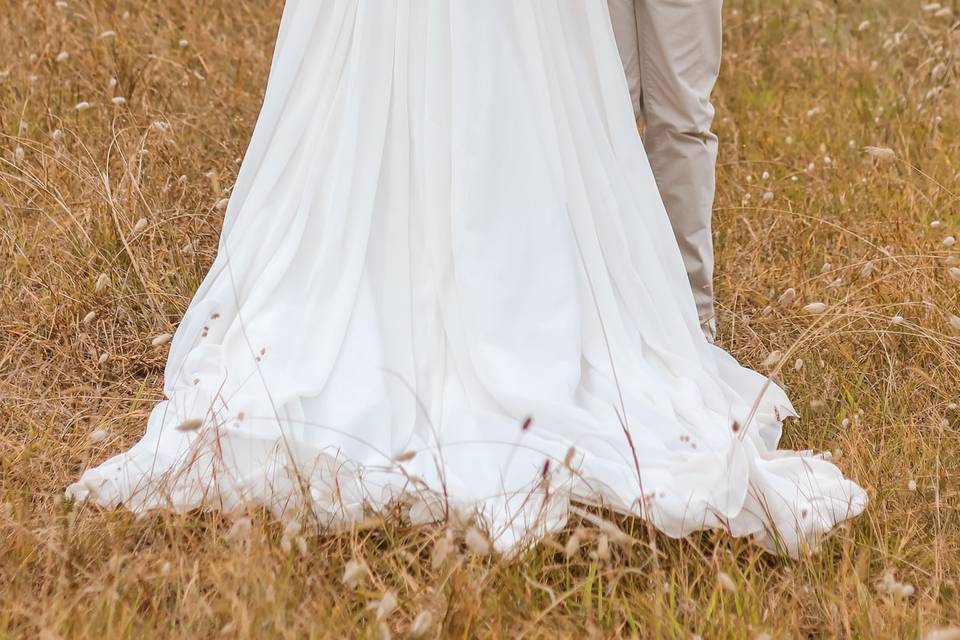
{"type": "Point", "coordinates": [446, 280]}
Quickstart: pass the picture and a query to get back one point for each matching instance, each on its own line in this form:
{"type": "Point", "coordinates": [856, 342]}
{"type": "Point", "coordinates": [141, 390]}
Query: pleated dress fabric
{"type": "Point", "coordinates": [446, 280]}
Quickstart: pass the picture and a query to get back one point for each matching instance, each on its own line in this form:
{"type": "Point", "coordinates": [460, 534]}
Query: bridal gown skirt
{"type": "Point", "coordinates": [446, 280]}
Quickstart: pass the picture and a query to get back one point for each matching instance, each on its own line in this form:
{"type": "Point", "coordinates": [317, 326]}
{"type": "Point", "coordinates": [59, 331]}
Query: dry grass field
{"type": "Point", "coordinates": [122, 123]}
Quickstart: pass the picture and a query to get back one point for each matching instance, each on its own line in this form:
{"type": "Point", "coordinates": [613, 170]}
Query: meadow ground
{"type": "Point", "coordinates": [121, 128]}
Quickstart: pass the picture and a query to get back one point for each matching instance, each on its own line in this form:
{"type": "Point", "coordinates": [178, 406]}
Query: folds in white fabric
{"type": "Point", "coordinates": [445, 225]}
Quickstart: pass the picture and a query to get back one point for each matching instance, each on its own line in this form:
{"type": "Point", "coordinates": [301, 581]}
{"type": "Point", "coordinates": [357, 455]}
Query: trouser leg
{"type": "Point", "coordinates": [672, 62]}
{"type": "Point", "coordinates": [623, 14]}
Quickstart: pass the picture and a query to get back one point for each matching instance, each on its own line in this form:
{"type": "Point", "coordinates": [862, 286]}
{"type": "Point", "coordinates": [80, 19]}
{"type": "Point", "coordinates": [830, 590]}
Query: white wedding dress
{"type": "Point", "coordinates": [446, 280]}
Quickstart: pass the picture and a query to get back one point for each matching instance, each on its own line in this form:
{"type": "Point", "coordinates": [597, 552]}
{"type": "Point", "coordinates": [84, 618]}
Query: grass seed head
{"type": "Point", "coordinates": [442, 548]}
{"type": "Point", "coordinates": [726, 582]}
{"type": "Point", "coordinates": [815, 308]}
{"type": "Point", "coordinates": [386, 605]}
{"type": "Point", "coordinates": [476, 541]}
{"type": "Point", "coordinates": [881, 153]}
{"type": "Point", "coordinates": [191, 424]}
{"type": "Point", "coordinates": [103, 281]}
{"type": "Point", "coordinates": [353, 573]}
{"type": "Point", "coordinates": [240, 529]}
{"type": "Point", "coordinates": [161, 339]}
{"type": "Point", "coordinates": [787, 297]}
{"type": "Point", "coordinates": [421, 625]}
{"type": "Point", "coordinates": [772, 359]}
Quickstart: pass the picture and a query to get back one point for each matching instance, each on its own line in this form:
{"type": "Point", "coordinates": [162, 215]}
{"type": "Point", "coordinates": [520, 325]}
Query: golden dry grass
{"type": "Point", "coordinates": [131, 190]}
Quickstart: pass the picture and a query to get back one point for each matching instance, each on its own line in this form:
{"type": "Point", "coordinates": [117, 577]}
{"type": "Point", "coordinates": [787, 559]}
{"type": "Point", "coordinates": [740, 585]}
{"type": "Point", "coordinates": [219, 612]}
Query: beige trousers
{"type": "Point", "coordinates": [671, 53]}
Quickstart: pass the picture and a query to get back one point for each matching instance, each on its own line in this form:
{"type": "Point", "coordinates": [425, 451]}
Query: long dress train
{"type": "Point", "coordinates": [446, 280]}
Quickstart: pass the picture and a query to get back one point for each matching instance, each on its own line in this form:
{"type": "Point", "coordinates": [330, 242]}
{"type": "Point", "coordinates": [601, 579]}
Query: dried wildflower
{"type": "Point", "coordinates": [18, 156]}
{"type": "Point", "coordinates": [109, 33]}
{"type": "Point", "coordinates": [898, 319]}
{"type": "Point", "coordinates": [97, 436]}
{"type": "Point", "coordinates": [87, 319]}
{"type": "Point", "coordinates": [815, 308]}
{"type": "Point", "coordinates": [103, 357]}
{"type": "Point", "coordinates": [868, 269]}
{"type": "Point", "coordinates": [881, 153]}
{"type": "Point", "coordinates": [353, 573]}
{"type": "Point", "coordinates": [476, 542]}
{"type": "Point", "coordinates": [103, 281]}
{"type": "Point", "coordinates": [161, 339]}
{"type": "Point", "coordinates": [139, 226]}
{"type": "Point", "coordinates": [63, 56]}
{"type": "Point", "coordinates": [943, 633]}
{"type": "Point", "coordinates": [421, 625]}
{"type": "Point", "coordinates": [798, 365]}
{"type": "Point", "coordinates": [954, 273]}
{"type": "Point", "coordinates": [954, 322]}
{"type": "Point", "coordinates": [118, 100]}
{"type": "Point", "coordinates": [166, 568]}
{"type": "Point", "coordinates": [222, 204]}
{"type": "Point", "coordinates": [405, 456]}
{"type": "Point", "coordinates": [912, 485]}
{"type": "Point", "coordinates": [82, 106]}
